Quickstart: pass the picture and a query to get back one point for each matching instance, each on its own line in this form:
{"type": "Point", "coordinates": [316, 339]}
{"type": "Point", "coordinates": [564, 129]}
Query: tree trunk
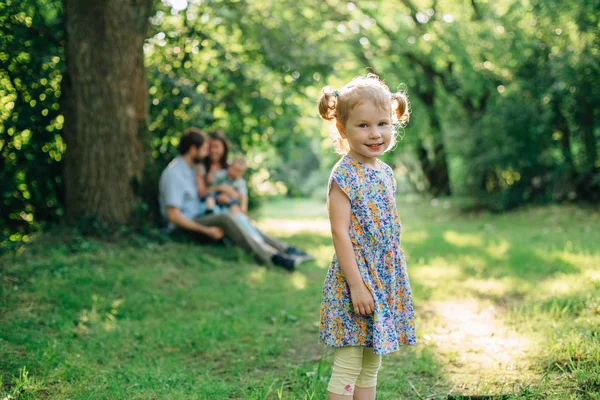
{"type": "Point", "coordinates": [434, 168]}
{"type": "Point", "coordinates": [104, 105]}
{"type": "Point", "coordinates": [588, 186]}
{"type": "Point", "coordinates": [589, 141]}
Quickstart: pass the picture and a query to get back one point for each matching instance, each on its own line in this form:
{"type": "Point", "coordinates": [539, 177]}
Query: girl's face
{"type": "Point", "coordinates": [368, 131]}
{"type": "Point", "coordinates": [216, 150]}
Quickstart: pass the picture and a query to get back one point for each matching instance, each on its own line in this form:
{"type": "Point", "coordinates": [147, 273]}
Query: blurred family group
{"type": "Point", "coordinates": [202, 192]}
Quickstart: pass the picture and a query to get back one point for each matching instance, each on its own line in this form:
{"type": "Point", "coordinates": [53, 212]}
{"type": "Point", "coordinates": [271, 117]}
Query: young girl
{"type": "Point", "coordinates": [366, 309]}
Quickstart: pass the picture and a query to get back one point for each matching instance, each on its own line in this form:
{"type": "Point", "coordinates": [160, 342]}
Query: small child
{"type": "Point", "coordinates": [366, 308]}
{"type": "Point", "coordinates": [229, 188]}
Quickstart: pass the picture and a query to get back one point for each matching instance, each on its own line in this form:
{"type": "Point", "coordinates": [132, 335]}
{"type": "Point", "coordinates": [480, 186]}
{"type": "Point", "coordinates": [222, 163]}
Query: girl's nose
{"type": "Point", "coordinates": [374, 133]}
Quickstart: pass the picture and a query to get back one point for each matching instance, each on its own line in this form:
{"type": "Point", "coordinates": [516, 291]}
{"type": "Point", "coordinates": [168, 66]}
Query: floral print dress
{"type": "Point", "coordinates": [375, 234]}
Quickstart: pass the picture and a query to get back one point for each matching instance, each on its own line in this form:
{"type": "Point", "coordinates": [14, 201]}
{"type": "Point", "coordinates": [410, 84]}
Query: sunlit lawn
{"type": "Point", "coordinates": [507, 305]}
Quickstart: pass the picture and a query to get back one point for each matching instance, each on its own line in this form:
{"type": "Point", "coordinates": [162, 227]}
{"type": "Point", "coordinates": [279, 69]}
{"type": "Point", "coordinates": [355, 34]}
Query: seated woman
{"type": "Point", "coordinates": [218, 154]}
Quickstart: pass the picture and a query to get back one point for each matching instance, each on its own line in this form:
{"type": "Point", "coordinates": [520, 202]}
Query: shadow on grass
{"type": "Point", "coordinates": [494, 255]}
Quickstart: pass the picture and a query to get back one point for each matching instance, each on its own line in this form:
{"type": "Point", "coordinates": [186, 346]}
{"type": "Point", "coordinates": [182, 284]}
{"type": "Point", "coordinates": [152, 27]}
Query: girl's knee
{"type": "Point", "coordinates": [370, 367]}
{"type": "Point", "coordinates": [347, 366]}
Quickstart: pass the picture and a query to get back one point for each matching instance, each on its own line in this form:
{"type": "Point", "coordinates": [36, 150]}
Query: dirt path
{"type": "Point", "coordinates": [480, 354]}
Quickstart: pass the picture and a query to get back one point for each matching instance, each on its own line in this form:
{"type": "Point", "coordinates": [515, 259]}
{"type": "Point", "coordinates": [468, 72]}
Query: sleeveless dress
{"type": "Point", "coordinates": [375, 234]}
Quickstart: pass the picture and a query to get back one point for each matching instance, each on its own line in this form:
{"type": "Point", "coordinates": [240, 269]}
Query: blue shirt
{"type": "Point", "coordinates": [177, 188]}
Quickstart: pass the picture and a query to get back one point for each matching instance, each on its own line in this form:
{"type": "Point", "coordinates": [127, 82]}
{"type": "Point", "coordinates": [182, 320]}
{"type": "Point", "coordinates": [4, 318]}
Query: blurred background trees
{"type": "Point", "coordinates": [504, 95]}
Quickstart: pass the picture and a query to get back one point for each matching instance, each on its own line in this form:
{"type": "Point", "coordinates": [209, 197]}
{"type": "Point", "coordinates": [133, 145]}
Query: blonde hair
{"type": "Point", "coordinates": [337, 105]}
{"type": "Point", "coordinates": [239, 160]}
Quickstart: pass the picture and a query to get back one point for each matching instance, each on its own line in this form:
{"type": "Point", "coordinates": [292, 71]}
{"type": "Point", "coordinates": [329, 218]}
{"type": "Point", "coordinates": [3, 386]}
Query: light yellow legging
{"type": "Point", "coordinates": [353, 366]}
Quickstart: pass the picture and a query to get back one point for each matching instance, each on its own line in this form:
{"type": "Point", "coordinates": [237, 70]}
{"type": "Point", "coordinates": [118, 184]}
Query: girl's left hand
{"type": "Point", "coordinates": [362, 300]}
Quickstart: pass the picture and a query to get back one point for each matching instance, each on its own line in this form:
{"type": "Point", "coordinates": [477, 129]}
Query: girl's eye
{"type": "Point", "coordinates": [362, 126]}
{"type": "Point", "coordinates": [383, 123]}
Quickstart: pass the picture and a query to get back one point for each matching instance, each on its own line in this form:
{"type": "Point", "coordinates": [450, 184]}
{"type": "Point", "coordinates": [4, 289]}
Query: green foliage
{"type": "Point", "coordinates": [31, 147]}
{"type": "Point", "coordinates": [506, 90]}
{"type": "Point", "coordinates": [538, 140]}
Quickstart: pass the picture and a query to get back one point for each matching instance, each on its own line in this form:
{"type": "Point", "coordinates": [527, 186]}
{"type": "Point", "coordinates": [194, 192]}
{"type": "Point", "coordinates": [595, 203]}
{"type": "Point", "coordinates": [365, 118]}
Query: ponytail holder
{"type": "Point", "coordinates": [336, 93]}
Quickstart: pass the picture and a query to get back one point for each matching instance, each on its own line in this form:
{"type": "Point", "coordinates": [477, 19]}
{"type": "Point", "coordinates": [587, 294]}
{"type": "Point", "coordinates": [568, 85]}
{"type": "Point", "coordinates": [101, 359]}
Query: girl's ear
{"type": "Point", "coordinates": [340, 129]}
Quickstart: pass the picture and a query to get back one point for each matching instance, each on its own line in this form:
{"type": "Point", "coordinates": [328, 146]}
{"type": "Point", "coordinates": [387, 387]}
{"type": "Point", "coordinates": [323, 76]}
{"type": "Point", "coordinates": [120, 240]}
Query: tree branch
{"type": "Point", "coordinates": [476, 11]}
{"type": "Point", "coordinates": [42, 32]}
{"type": "Point", "coordinates": [414, 11]}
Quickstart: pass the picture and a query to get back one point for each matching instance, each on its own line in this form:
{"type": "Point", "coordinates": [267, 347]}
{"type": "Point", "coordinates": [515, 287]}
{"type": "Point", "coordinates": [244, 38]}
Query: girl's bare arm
{"type": "Point", "coordinates": [340, 218]}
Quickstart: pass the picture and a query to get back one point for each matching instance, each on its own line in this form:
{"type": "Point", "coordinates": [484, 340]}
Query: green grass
{"type": "Point", "coordinates": [508, 306]}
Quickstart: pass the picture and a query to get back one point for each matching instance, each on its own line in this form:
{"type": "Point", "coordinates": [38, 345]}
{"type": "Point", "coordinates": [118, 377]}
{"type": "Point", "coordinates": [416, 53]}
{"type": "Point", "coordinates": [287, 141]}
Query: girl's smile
{"type": "Point", "coordinates": [375, 147]}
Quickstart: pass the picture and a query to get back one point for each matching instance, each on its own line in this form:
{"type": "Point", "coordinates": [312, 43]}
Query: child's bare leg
{"type": "Point", "coordinates": [364, 393]}
{"type": "Point", "coordinates": [210, 203]}
{"type": "Point", "coordinates": [223, 199]}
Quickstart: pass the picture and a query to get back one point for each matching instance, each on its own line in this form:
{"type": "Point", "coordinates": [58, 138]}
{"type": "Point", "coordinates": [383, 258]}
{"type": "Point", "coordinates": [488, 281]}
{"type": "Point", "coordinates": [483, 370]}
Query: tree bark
{"type": "Point", "coordinates": [560, 124]}
{"type": "Point", "coordinates": [104, 104]}
{"type": "Point", "coordinates": [435, 168]}
{"type": "Point", "coordinates": [589, 142]}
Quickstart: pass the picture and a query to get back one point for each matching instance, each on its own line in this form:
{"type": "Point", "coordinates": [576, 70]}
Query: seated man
{"type": "Point", "coordinates": [181, 206]}
{"type": "Point", "coordinates": [229, 188]}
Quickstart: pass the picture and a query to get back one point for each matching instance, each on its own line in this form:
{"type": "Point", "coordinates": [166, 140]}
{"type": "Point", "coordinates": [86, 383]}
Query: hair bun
{"type": "Point", "coordinates": [401, 108]}
{"type": "Point", "coordinates": [327, 103]}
